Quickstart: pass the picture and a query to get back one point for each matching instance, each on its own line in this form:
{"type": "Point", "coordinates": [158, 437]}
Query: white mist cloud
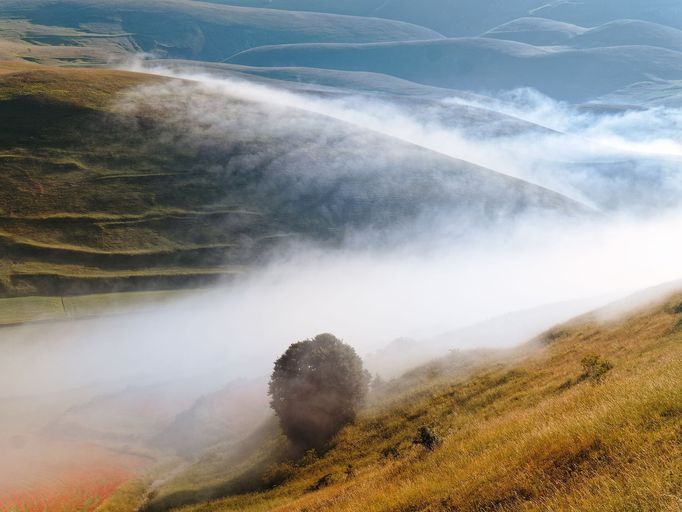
{"type": "Point", "coordinates": [627, 160]}
{"type": "Point", "coordinates": [369, 296]}
{"type": "Point", "coordinates": [366, 297]}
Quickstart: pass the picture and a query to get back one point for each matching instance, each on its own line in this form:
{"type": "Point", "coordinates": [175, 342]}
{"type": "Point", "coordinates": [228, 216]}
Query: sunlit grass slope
{"type": "Point", "coordinates": [532, 431]}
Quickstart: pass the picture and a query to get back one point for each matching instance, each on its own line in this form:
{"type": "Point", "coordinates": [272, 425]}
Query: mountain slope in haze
{"type": "Point", "coordinates": [191, 29]}
{"type": "Point", "coordinates": [586, 417]}
{"type": "Point", "coordinates": [597, 12]}
{"type": "Point", "coordinates": [631, 32]}
{"type": "Point", "coordinates": [170, 183]}
{"type": "Point", "coordinates": [424, 104]}
{"type": "Point", "coordinates": [458, 18]}
{"type": "Point", "coordinates": [543, 32]}
{"type": "Point", "coordinates": [452, 18]}
{"type": "Point", "coordinates": [233, 410]}
{"type": "Point", "coordinates": [536, 31]}
{"type": "Point", "coordinates": [484, 65]}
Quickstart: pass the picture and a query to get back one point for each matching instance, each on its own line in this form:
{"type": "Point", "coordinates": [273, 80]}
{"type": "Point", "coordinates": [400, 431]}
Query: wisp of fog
{"type": "Point", "coordinates": [622, 167]}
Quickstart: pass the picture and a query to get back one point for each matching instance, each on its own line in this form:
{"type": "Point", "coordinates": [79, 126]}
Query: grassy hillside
{"type": "Point", "coordinates": [112, 190]}
{"type": "Point", "coordinates": [539, 428]}
{"type": "Point", "coordinates": [73, 214]}
{"type": "Point", "coordinates": [484, 65]}
{"type": "Point", "coordinates": [184, 28]}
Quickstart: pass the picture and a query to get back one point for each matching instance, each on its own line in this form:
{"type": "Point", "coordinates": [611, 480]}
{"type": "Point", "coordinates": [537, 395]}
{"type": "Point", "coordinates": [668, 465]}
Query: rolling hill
{"type": "Point", "coordinates": [598, 12]}
{"type": "Point", "coordinates": [536, 31]}
{"type": "Point", "coordinates": [186, 29]}
{"type": "Point", "coordinates": [543, 32]}
{"type": "Point", "coordinates": [484, 65]}
{"type": "Point", "coordinates": [630, 32]}
{"type": "Point", "coordinates": [453, 18]}
{"type": "Point", "coordinates": [112, 192]}
{"type": "Point", "coordinates": [587, 416]}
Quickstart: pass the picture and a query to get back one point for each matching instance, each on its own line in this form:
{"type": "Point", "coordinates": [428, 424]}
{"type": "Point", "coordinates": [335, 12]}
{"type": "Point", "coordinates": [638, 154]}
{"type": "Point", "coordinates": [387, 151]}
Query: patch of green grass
{"type": "Point", "coordinates": [31, 309]}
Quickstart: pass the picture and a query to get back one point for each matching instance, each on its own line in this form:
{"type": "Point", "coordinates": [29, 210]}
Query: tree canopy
{"type": "Point", "coordinates": [316, 387]}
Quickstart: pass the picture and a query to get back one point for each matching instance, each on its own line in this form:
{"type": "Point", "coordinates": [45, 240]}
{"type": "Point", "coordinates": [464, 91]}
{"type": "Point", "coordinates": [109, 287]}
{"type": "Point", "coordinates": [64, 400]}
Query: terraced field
{"type": "Point", "coordinates": [77, 214]}
{"type": "Point", "coordinates": [111, 192]}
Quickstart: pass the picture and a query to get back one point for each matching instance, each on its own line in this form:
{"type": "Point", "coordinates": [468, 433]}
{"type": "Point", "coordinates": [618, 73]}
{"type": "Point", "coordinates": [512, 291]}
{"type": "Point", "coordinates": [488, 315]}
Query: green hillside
{"type": "Point", "coordinates": [112, 192]}
{"type": "Point", "coordinates": [548, 426]}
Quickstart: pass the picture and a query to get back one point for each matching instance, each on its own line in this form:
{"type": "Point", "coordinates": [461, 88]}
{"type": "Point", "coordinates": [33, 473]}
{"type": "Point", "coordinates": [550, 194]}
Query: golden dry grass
{"type": "Point", "coordinates": [521, 436]}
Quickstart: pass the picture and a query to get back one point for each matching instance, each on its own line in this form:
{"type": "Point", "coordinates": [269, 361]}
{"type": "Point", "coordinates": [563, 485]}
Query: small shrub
{"type": "Point", "coordinates": [567, 384]}
{"type": "Point", "coordinates": [677, 309]}
{"type": "Point", "coordinates": [552, 336]}
{"type": "Point", "coordinates": [392, 452]}
{"type": "Point", "coordinates": [309, 457]}
{"type": "Point", "coordinates": [594, 368]}
{"type": "Point", "coordinates": [323, 482]}
{"type": "Point", "coordinates": [277, 474]}
{"type": "Point", "coordinates": [350, 471]}
{"type": "Point", "coordinates": [428, 438]}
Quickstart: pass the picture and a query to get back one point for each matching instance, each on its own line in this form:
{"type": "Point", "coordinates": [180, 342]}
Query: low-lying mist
{"type": "Point", "coordinates": [436, 275]}
{"type": "Point", "coordinates": [368, 297]}
{"type": "Point", "coordinates": [608, 157]}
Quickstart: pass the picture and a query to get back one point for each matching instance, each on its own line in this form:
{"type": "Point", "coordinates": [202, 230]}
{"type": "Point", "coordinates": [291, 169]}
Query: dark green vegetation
{"type": "Point", "coordinates": [586, 417]}
{"type": "Point", "coordinates": [119, 188]}
{"type": "Point", "coordinates": [316, 388]}
{"type": "Point", "coordinates": [84, 207]}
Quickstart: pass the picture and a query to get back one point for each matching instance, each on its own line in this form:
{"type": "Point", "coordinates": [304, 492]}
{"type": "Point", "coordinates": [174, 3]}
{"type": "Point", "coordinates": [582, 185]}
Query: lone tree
{"type": "Point", "coordinates": [316, 388]}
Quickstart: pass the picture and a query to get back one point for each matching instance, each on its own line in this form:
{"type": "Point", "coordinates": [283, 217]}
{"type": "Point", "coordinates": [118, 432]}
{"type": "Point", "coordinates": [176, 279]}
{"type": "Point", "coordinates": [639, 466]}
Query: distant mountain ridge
{"type": "Point", "coordinates": [484, 65]}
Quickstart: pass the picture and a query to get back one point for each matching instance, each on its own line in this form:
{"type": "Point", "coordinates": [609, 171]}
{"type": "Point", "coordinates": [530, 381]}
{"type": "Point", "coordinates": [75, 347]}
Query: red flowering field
{"type": "Point", "coordinates": [62, 477]}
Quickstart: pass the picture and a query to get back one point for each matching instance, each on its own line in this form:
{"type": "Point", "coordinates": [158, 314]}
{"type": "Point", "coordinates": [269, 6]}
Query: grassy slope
{"type": "Point", "coordinates": [523, 434]}
{"type": "Point", "coordinates": [81, 210]}
{"type": "Point", "coordinates": [96, 198]}
{"type": "Point", "coordinates": [71, 211]}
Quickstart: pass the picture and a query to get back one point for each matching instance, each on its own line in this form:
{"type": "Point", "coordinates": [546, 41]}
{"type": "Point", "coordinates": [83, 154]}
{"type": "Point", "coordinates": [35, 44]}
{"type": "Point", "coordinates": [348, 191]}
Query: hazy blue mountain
{"type": "Point", "coordinates": [204, 31]}
{"type": "Point", "coordinates": [536, 31]}
{"type": "Point", "coordinates": [485, 65]}
{"type": "Point", "coordinates": [630, 32]}
{"type": "Point", "coordinates": [473, 17]}
{"type": "Point", "coordinates": [540, 31]}
{"type": "Point", "coordinates": [449, 17]}
{"type": "Point", "coordinates": [590, 13]}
